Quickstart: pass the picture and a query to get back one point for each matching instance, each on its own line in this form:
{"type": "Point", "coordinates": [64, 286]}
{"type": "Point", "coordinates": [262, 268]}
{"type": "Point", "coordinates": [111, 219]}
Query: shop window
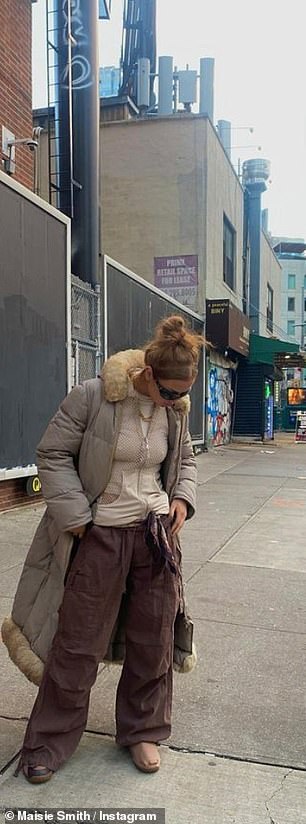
{"type": "Point", "coordinates": [229, 255]}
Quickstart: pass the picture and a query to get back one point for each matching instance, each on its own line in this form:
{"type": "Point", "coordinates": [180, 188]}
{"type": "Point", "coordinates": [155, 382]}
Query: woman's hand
{"type": "Point", "coordinates": [178, 514]}
{"type": "Point", "coordinates": [79, 531]}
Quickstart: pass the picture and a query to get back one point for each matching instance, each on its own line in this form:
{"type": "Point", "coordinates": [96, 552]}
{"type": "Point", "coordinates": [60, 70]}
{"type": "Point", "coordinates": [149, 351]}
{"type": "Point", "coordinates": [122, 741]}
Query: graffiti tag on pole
{"type": "Point", "coordinates": [79, 66]}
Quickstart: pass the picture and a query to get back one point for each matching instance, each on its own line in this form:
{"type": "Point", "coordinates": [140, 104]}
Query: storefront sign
{"type": "Point", "coordinates": [300, 427]}
{"type": "Point", "coordinates": [227, 327]}
{"type": "Point", "coordinates": [178, 277]}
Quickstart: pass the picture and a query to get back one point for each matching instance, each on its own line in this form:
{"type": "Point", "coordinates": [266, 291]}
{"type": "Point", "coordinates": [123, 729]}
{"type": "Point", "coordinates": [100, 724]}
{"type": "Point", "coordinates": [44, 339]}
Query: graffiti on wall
{"type": "Point", "coordinates": [219, 405]}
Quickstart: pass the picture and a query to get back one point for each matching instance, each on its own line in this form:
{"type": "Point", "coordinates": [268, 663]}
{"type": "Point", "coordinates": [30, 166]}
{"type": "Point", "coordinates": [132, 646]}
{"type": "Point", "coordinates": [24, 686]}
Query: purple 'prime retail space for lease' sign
{"type": "Point", "coordinates": [178, 277]}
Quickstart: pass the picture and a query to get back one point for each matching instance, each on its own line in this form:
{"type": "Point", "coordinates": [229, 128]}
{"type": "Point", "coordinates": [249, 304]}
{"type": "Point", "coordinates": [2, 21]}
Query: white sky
{"type": "Point", "coordinates": [260, 76]}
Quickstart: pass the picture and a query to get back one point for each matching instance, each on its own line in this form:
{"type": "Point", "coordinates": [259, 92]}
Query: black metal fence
{"type": "Point", "coordinates": [132, 309]}
{"type": "Point", "coordinates": [33, 322]}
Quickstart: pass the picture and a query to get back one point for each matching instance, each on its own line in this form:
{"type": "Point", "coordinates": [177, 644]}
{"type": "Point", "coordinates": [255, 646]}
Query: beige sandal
{"type": "Point", "coordinates": [145, 756]}
{"type": "Point", "coordinates": [37, 775]}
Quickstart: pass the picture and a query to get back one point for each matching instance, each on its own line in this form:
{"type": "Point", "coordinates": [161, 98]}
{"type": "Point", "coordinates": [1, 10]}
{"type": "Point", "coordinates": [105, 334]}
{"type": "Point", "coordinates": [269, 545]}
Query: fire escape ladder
{"type": "Point", "coordinates": [60, 107]}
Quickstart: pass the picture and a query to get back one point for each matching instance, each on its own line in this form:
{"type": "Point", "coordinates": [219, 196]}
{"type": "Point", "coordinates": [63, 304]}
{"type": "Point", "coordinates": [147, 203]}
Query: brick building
{"type": "Point", "coordinates": [16, 82]}
{"type": "Point", "coordinates": [16, 118]}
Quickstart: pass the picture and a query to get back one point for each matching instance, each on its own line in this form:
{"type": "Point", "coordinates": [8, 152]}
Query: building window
{"type": "Point", "coordinates": [304, 304]}
{"type": "Point", "coordinates": [304, 281]}
{"type": "Point", "coordinates": [270, 308]}
{"type": "Point", "coordinates": [229, 243]}
{"type": "Point", "coordinates": [291, 281]}
{"type": "Point", "coordinates": [291, 328]}
{"type": "Point", "coordinates": [291, 304]}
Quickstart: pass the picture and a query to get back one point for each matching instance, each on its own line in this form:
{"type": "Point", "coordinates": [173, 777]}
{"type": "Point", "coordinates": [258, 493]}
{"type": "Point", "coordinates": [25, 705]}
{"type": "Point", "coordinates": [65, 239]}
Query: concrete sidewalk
{"type": "Point", "coordinates": [237, 754]}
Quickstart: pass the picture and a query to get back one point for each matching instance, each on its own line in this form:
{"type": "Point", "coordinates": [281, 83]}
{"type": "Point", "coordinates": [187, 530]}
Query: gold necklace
{"type": "Point", "coordinates": [145, 418]}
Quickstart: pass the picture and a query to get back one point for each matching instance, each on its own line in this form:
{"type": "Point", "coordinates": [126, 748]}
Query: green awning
{"type": "Point", "coordinates": [266, 350]}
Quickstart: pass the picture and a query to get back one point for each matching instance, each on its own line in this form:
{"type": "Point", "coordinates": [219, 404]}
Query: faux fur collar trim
{"type": "Point", "coordinates": [115, 376]}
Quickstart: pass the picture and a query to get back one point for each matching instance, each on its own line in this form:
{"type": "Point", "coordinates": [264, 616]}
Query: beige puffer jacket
{"type": "Point", "coordinates": [74, 460]}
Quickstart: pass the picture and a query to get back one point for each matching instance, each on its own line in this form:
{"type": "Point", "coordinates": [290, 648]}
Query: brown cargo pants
{"type": "Point", "coordinates": [109, 562]}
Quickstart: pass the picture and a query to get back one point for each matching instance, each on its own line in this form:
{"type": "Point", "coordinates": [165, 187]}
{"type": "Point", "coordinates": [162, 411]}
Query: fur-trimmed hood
{"type": "Point", "coordinates": [116, 373]}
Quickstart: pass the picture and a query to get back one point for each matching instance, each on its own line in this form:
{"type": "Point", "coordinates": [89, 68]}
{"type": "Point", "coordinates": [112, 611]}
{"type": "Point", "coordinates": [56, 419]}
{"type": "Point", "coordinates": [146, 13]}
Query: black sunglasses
{"type": "Point", "coordinates": [170, 394]}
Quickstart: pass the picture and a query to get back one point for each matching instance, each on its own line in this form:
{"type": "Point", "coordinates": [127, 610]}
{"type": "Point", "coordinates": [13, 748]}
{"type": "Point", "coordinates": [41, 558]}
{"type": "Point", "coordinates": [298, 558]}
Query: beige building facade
{"type": "Point", "coordinates": [172, 210]}
{"type": "Point", "coordinates": [270, 291]}
{"type": "Point", "coordinates": [167, 185]}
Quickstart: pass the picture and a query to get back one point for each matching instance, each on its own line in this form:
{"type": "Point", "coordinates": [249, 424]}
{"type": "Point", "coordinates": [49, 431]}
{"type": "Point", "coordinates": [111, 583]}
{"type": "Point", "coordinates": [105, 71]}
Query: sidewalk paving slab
{"type": "Point", "coordinates": [236, 701]}
{"type": "Point", "coordinates": [193, 788]}
{"type": "Point", "coordinates": [274, 537]}
{"type": "Point", "coordinates": [11, 737]}
{"type": "Point", "coordinates": [270, 599]}
{"type": "Point", "coordinates": [245, 699]}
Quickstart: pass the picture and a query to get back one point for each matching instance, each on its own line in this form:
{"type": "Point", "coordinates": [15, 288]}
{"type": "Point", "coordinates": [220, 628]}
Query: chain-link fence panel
{"type": "Point", "coordinates": [84, 312]}
{"type": "Point", "coordinates": [86, 362]}
{"type": "Point", "coordinates": [85, 330]}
